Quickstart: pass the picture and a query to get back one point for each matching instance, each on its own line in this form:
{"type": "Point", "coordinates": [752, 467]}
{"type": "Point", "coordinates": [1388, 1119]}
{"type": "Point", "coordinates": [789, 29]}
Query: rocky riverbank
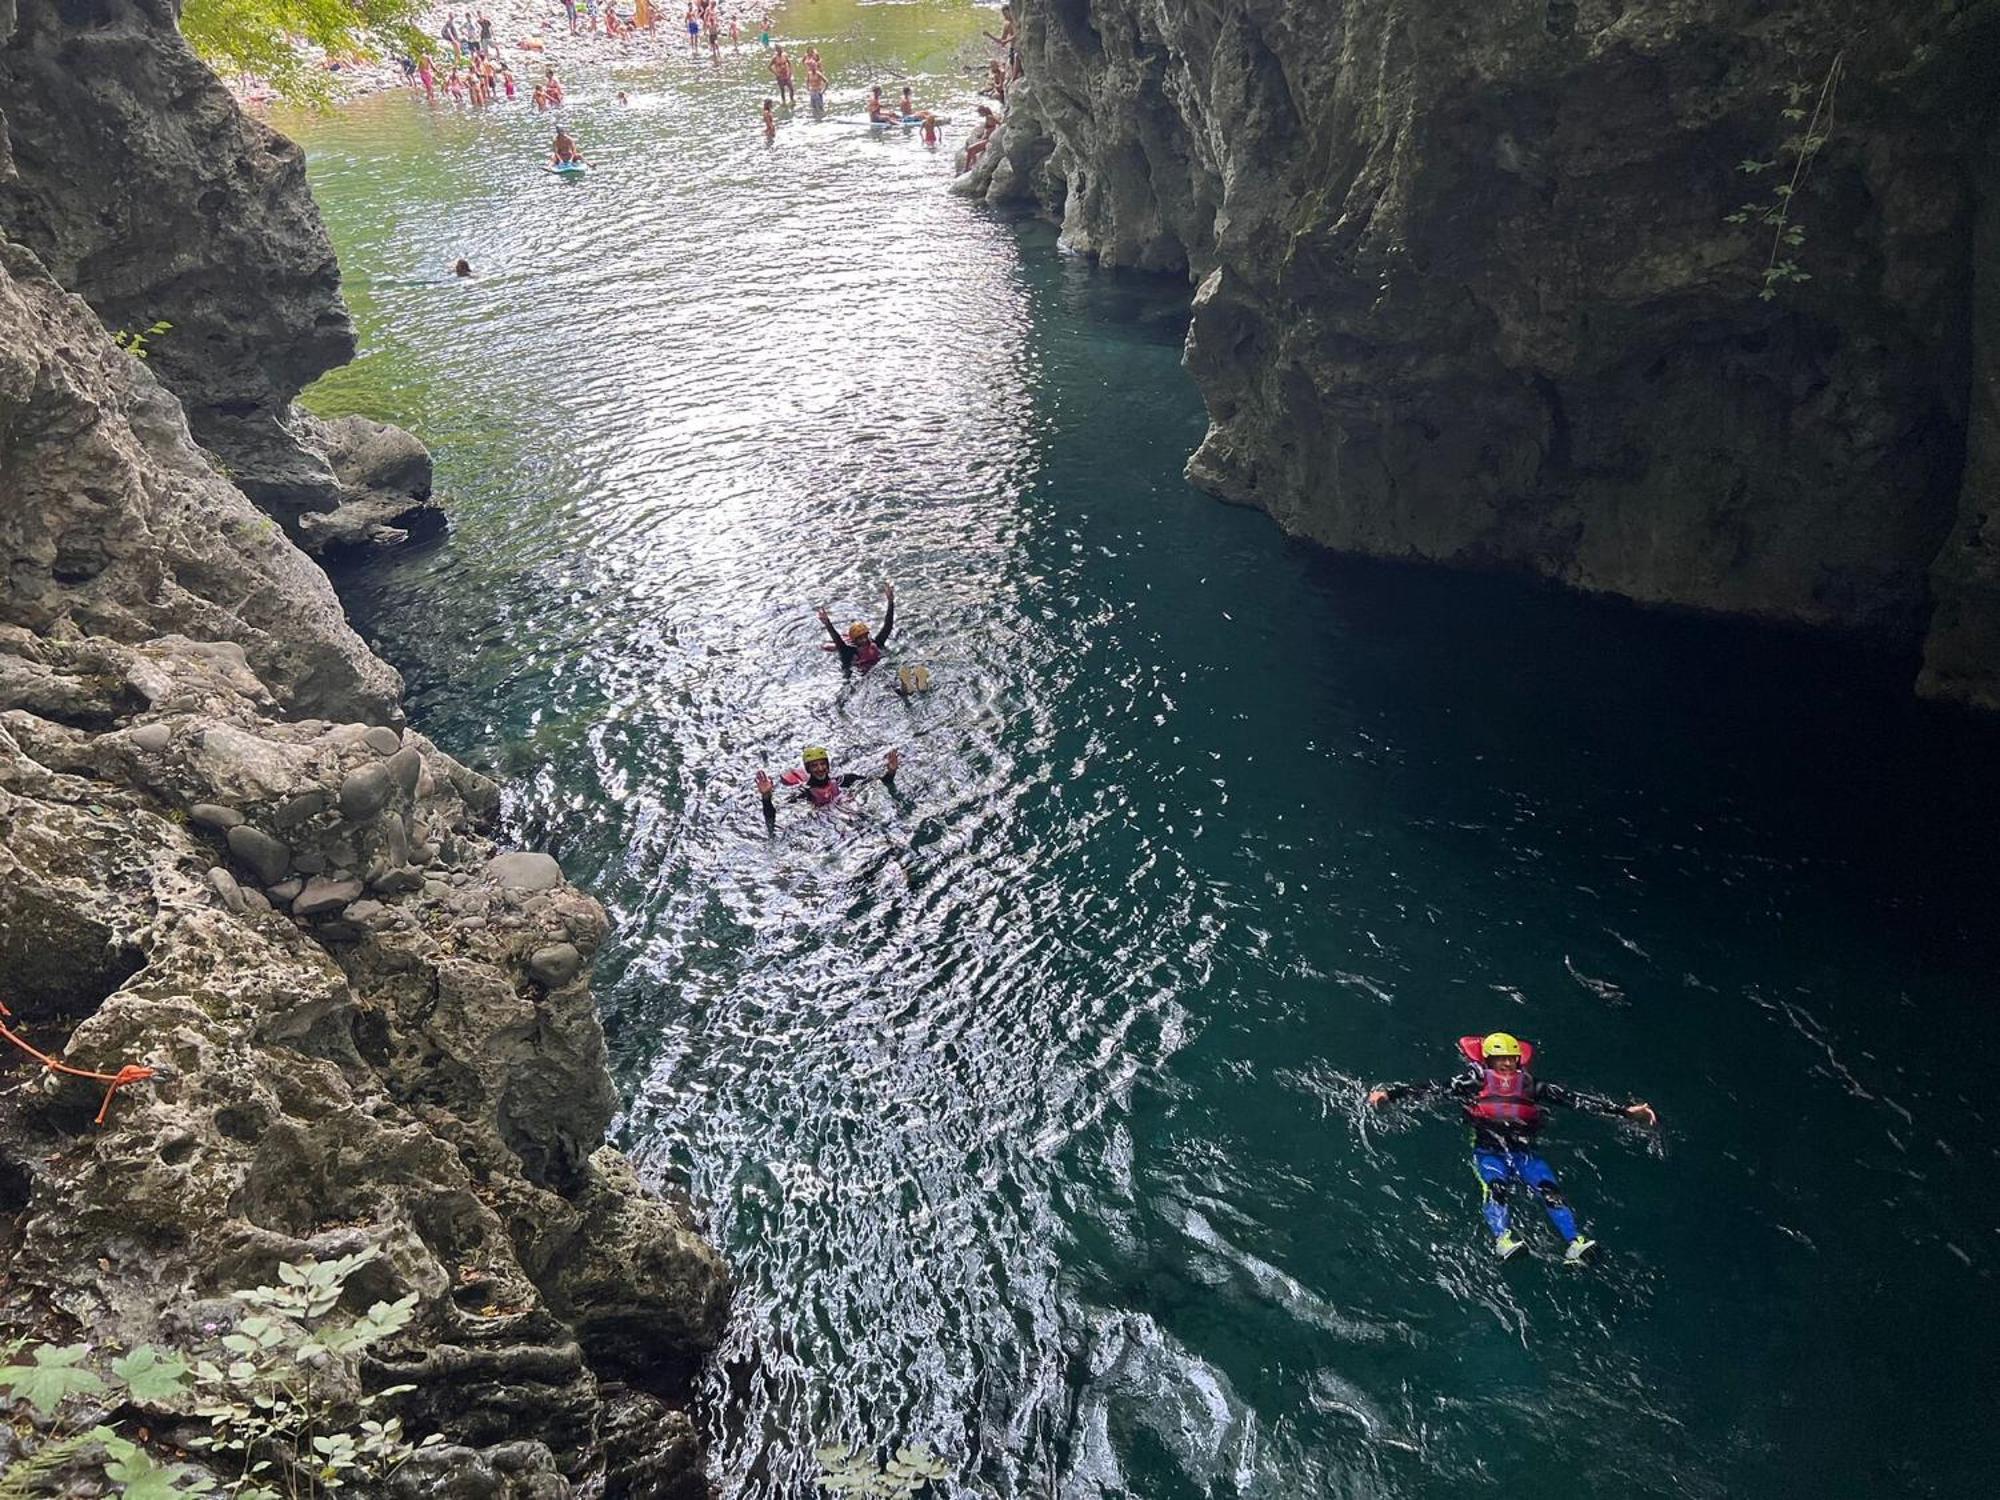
{"type": "Point", "coordinates": [227, 860]}
{"type": "Point", "coordinates": [1470, 292]}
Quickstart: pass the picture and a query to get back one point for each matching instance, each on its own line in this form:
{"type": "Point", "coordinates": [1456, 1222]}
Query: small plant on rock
{"type": "Point", "coordinates": [134, 344]}
{"type": "Point", "coordinates": [1807, 132]}
{"type": "Point", "coordinates": [284, 1421]}
{"type": "Point", "coordinates": [846, 1472]}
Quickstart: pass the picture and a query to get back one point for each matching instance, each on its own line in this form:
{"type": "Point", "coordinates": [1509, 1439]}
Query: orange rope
{"type": "Point", "coordinates": [130, 1073]}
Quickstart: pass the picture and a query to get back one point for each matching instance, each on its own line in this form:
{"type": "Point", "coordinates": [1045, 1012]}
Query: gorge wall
{"type": "Point", "coordinates": [1468, 291]}
{"type": "Point", "coordinates": [225, 858]}
{"type": "Point", "coordinates": [136, 179]}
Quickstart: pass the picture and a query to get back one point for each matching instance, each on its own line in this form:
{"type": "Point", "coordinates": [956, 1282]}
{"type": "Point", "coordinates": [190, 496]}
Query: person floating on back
{"type": "Point", "coordinates": [817, 784]}
{"type": "Point", "coordinates": [859, 648]}
{"type": "Point", "coordinates": [1506, 1107]}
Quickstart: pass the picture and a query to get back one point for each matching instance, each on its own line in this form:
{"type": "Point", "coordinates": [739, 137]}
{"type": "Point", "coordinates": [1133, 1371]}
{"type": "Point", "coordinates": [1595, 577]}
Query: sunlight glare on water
{"type": "Point", "coordinates": [1026, 1102]}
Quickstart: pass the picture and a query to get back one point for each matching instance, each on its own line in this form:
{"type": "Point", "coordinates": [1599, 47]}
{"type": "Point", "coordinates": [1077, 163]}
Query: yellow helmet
{"type": "Point", "coordinates": [1500, 1044]}
{"type": "Point", "coordinates": [812, 753]}
{"type": "Point", "coordinates": [857, 630]}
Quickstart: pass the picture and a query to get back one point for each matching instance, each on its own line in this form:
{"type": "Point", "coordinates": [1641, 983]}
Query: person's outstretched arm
{"type": "Point", "coordinates": [765, 787]}
{"type": "Point", "coordinates": [888, 619]}
{"type": "Point", "coordinates": [1594, 1104]}
{"type": "Point", "coordinates": [1463, 1085]}
{"type": "Point", "coordinates": [839, 641]}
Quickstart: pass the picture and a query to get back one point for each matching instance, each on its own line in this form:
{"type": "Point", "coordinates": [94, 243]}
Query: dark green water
{"type": "Point", "coordinates": [1028, 1105]}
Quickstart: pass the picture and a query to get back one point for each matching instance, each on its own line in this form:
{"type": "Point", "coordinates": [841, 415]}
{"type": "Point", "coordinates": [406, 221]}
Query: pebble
{"type": "Point", "coordinates": [286, 891]}
{"type": "Point", "coordinates": [524, 870]}
{"type": "Point", "coordinates": [383, 740]}
{"type": "Point", "coordinates": [226, 887]}
{"type": "Point", "coordinates": [322, 897]}
{"type": "Point", "coordinates": [152, 736]}
{"type": "Point", "coordinates": [302, 807]}
{"type": "Point", "coordinates": [310, 863]}
{"type": "Point", "coordinates": [215, 815]}
{"type": "Point", "coordinates": [365, 911]}
{"type": "Point", "coordinates": [267, 858]}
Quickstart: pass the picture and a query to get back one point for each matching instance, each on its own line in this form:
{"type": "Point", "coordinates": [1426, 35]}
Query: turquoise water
{"type": "Point", "coordinates": [1027, 1102]}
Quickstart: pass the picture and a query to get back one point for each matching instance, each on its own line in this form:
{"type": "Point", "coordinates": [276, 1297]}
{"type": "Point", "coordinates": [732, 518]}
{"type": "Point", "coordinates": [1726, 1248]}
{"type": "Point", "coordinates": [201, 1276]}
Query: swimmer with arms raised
{"type": "Point", "coordinates": [817, 784]}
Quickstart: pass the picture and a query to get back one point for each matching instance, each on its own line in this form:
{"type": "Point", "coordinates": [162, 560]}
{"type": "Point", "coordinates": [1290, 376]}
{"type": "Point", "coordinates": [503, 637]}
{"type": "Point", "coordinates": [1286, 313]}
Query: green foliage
{"type": "Point", "coordinates": [1778, 213]}
{"type": "Point", "coordinates": [845, 1472]}
{"type": "Point", "coordinates": [279, 1414]}
{"type": "Point", "coordinates": [134, 344]}
{"type": "Point", "coordinates": [280, 40]}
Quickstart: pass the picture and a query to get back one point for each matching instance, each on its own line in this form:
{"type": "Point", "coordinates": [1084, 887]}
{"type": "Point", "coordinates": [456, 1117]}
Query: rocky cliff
{"type": "Point", "coordinates": [143, 188]}
{"type": "Point", "coordinates": [1469, 290]}
{"type": "Point", "coordinates": [224, 859]}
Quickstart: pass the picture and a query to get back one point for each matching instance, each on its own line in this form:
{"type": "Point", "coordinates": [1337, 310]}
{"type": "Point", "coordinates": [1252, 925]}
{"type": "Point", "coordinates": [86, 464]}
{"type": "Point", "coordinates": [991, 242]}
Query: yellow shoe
{"type": "Point", "coordinates": [1579, 1250]}
{"type": "Point", "coordinates": [1509, 1245]}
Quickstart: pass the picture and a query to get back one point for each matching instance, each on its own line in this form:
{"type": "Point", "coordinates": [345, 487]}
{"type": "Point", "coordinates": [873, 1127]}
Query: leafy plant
{"type": "Point", "coordinates": [1801, 147]}
{"type": "Point", "coordinates": [846, 1472]}
{"type": "Point", "coordinates": [284, 41]}
{"type": "Point", "coordinates": [134, 344]}
{"type": "Point", "coordinates": [279, 1411]}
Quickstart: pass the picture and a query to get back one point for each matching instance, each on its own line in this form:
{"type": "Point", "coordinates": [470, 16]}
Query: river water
{"type": "Point", "coordinates": [1027, 1102]}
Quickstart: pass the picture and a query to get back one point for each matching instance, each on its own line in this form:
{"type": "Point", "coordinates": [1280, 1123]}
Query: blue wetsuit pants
{"type": "Point", "coordinates": [1499, 1173]}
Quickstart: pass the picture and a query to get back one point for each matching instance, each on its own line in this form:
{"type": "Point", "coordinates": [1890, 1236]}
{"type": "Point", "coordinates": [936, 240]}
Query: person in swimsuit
{"type": "Point", "coordinates": [909, 103]}
{"type": "Point", "coordinates": [564, 152]}
{"type": "Point", "coordinates": [694, 30]}
{"type": "Point", "coordinates": [878, 112]}
{"type": "Point", "coordinates": [781, 69]}
{"type": "Point", "coordinates": [770, 122]}
{"type": "Point", "coordinates": [858, 648]}
{"type": "Point", "coordinates": [815, 81]}
{"type": "Point", "coordinates": [817, 784]}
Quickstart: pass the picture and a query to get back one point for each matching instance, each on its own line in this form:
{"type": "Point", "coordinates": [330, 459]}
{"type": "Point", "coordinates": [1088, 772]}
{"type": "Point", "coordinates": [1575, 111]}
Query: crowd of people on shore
{"type": "Point", "coordinates": [471, 67]}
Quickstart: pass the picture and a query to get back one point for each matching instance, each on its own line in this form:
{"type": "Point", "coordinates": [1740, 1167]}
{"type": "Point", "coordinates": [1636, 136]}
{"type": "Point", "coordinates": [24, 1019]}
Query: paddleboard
{"type": "Point", "coordinates": [578, 169]}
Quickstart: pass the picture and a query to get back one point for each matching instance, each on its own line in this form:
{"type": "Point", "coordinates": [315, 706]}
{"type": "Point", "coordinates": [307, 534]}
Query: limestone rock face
{"type": "Point", "coordinates": [190, 739]}
{"type": "Point", "coordinates": [1468, 292]}
{"type": "Point", "coordinates": [144, 188]}
{"type": "Point", "coordinates": [114, 526]}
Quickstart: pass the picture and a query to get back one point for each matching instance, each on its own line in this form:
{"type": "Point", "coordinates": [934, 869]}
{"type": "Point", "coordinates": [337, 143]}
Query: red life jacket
{"type": "Point", "coordinates": [866, 656]}
{"type": "Point", "coordinates": [1504, 1098]}
{"type": "Point", "coordinates": [822, 796]}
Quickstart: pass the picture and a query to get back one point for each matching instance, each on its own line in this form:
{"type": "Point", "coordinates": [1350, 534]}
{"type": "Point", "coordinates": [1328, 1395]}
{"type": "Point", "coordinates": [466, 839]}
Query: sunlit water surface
{"type": "Point", "coordinates": [1027, 1105]}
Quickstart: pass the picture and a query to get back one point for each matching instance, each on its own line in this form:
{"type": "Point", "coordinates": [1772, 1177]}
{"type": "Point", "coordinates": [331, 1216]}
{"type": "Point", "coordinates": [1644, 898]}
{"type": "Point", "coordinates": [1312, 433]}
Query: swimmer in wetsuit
{"type": "Point", "coordinates": [858, 648]}
{"type": "Point", "coordinates": [1506, 1107]}
{"type": "Point", "coordinates": [817, 784]}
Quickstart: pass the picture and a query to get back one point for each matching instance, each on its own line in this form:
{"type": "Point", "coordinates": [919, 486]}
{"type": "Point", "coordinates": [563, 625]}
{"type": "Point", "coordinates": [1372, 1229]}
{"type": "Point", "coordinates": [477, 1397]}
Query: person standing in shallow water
{"type": "Point", "coordinates": [1506, 1106]}
{"type": "Point", "coordinates": [781, 69]}
{"type": "Point", "coordinates": [770, 122]}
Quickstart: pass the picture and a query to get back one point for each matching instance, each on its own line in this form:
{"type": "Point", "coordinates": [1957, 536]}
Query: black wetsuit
{"type": "Point", "coordinates": [848, 651]}
{"type": "Point", "coordinates": [1491, 1135]}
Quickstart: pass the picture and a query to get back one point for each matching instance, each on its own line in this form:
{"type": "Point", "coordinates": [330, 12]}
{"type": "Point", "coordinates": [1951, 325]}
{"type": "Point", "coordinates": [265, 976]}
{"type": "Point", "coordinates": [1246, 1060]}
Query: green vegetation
{"type": "Point", "coordinates": [846, 1472]}
{"type": "Point", "coordinates": [1807, 134]}
{"type": "Point", "coordinates": [285, 1422]}
{"type": "Point", "coordinates": [134, 344]}
{"type": "Point", "coordinates": [281, 40]}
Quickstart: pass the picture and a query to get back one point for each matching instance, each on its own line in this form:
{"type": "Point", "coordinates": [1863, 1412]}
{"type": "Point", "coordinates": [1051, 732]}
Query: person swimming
{"type": "Point", "coordinates": [461, 268]}
{"type": "Point", "coordinates": [816, 784]}
{"type": "Point", "coordinates": [1506, 1107]}
{"type": "Point", "coordinates": [860, 648]}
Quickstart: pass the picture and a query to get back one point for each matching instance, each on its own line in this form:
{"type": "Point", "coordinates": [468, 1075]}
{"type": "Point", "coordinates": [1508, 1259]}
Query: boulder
{"type": "Point", "coordinates": [382, 740]}
{"type": "Point", "coordinates": [524, 870]}
{"type": "Point", "coordinates": [366, 792]}
{"type": "Point", "coordinates": [556, 965]}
